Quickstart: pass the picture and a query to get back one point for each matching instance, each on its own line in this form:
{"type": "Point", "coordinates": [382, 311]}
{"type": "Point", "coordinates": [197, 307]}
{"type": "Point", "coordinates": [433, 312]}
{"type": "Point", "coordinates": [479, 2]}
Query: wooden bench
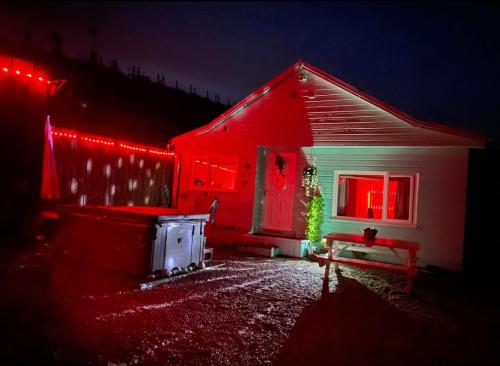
{"type": "Point", "coordinates": [406, 265]}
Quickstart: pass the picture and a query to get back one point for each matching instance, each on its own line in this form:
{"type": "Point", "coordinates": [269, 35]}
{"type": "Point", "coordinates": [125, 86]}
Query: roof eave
{"type": "Point", "coordinates": [243, 103]}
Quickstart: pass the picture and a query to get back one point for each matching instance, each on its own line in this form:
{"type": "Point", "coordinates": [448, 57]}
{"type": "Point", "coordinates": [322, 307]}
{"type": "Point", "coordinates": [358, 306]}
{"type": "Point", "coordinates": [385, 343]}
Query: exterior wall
{"type": "Point", "coordinates": [440, 202]}
{"type": "Point", "coordinates": [275, 119]}
{"type": "Point", "coordinates": [304, 107]}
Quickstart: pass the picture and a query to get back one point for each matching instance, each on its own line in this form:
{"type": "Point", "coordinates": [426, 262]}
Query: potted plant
{"type": "Point", "coordinates": [369, 233]}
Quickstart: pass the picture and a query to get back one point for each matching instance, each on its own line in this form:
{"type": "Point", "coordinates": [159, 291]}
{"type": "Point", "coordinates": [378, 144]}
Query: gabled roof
{"type": "Point", "coordinates": [296, 68]}
{"type": "Point", "coordinates": [394, 111]}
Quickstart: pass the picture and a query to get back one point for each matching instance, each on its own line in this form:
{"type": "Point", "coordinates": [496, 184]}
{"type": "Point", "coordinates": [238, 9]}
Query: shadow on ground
{"type": "Point", "coordinates": [355, 326]}
{"type": "Point", "coordinates": [34, 284]}
{"type": "Point", "coordinates": [249, 311]}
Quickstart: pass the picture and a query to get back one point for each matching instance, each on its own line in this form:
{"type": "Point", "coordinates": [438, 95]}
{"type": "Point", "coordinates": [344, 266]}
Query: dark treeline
{"type": "Point", "coordinates": [101, 99]}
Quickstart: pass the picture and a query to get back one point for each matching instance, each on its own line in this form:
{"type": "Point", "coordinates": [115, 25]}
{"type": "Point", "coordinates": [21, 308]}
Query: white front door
{"type": "Point", "coordinates": [279, 187]}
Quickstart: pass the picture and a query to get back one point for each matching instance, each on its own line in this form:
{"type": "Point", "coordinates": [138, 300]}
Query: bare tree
{"type": "Point", "coordinates": [114, 66]}
{"type": "Point", "coordinates": [56, 43]}
{"type": "Point", "coordinates": [93, 51]}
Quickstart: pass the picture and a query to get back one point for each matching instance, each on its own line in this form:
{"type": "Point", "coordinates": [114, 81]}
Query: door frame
{"type": "Point", "coordinates": [259, 196]}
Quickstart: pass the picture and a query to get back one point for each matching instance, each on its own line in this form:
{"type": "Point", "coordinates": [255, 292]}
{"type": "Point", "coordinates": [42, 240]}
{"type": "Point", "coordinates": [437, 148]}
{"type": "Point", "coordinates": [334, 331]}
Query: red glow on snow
{"type": "Point", "coordinates": [99, 140]}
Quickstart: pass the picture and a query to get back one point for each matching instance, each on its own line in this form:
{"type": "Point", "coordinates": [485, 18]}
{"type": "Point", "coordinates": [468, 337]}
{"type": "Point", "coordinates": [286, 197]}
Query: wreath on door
{"type": "Point", "coordinates": [280, 165]}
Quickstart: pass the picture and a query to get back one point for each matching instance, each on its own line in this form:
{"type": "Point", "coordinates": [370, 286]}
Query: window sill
{"type": "Point", "coordinates": [409, 225]}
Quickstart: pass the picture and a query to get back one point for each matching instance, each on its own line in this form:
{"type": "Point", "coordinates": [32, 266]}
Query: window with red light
{"type": "Point", "coordinates": [384, 197]}
{"type": "Point", "coordinates": [214, 174]}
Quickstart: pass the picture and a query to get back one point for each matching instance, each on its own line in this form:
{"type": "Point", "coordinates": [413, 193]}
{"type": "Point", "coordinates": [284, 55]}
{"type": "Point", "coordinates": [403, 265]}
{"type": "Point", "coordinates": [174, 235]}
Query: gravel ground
{"type": "Point", "coordinates": [242, 310]}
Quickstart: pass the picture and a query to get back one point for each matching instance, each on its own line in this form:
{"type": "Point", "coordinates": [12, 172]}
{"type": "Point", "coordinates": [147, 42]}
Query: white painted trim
{"type": "Point", "coordinates": [355, 220]}
{"type": "Point", "coordinates": [385, 202]}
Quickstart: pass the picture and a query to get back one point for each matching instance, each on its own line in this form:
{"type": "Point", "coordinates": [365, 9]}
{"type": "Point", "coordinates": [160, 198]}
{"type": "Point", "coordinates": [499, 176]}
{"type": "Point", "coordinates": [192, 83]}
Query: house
{"type": "Point", "coordinates": [377, 167]}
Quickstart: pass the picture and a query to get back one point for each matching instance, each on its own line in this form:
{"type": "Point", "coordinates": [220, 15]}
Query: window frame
{"type": "Point", "coordinates": [194, 187]}
{"type": "Point", "coordinates": [414, 184]}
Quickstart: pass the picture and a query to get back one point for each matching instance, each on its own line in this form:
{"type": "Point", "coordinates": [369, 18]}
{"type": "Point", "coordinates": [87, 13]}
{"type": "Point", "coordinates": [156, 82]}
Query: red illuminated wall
{"type": "Point", "coordinates": [302, 107]}
{"type": "Point", "coordinates": [274, 119]}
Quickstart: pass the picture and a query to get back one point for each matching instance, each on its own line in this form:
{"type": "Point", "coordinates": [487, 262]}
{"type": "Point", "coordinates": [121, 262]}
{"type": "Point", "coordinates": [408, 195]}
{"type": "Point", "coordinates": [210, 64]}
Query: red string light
{"type": "Point", "coordinates": [28, 75]}
{"type": "Point", "coordinates": [58, 132]}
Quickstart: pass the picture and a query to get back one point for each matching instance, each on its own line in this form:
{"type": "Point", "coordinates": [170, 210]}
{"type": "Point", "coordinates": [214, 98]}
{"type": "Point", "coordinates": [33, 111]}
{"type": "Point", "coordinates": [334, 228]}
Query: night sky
{"type": "Point", "coordinates": [437, 62]}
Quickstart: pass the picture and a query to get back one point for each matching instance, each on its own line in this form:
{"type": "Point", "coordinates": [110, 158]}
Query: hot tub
{"type": "Point", "coordinates": [132, 242]}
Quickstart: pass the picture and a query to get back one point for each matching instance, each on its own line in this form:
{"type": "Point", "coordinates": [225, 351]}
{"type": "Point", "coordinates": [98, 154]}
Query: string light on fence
{"type": "Point", "coordinates": [57, 132]}
{"type": "Point", "coordinates": [29, 75]}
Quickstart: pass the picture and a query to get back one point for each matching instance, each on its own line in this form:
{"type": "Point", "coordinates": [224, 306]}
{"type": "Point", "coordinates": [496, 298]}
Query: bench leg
{"type": "Point", "coordinates": [326, 276]}
{"type": "Point", "coordinates": [409, 285]}
{"type": "Point", "coordinates": [412, 271]}
{"type": "Point", "coordinates": [332, 250]}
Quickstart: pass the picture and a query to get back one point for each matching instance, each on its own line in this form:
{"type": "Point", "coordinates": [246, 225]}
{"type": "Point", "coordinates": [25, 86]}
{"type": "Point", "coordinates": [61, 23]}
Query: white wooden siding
{"type": "Point", "coordinates": [338, 117]}
{"type": "Point", "coordinates": [276, 119]}
{"type": "Point", "coordinates": [440, 202]}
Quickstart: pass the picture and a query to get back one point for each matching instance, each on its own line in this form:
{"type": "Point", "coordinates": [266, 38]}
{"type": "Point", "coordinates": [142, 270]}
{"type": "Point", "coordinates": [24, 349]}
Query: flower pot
{"type": "Point", "coordinates": [369, 233]}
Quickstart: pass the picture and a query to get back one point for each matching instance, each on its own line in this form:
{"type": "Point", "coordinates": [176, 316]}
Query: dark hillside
{"type": "Point", "coordinates": [101, 99]}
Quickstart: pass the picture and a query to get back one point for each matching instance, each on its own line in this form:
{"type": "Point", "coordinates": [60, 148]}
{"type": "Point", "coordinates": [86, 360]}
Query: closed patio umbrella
{"type": "Point", "coordinates": [50, 184]}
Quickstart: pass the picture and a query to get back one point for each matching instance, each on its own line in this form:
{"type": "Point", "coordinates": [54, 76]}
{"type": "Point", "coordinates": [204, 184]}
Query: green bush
{"type": "Point", "coordinates": [314, 219]}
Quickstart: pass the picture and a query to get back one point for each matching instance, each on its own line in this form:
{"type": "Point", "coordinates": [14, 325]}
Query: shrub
{"type": "Point", "coordinates": [314, 219]}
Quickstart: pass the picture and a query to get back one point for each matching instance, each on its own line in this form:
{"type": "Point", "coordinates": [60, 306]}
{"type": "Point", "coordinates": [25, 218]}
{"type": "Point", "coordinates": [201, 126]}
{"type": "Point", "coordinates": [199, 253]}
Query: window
{"type": "Point", "coordinates": [214, 174]}
{"type": "Point", "coordinates": [384, 197]}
